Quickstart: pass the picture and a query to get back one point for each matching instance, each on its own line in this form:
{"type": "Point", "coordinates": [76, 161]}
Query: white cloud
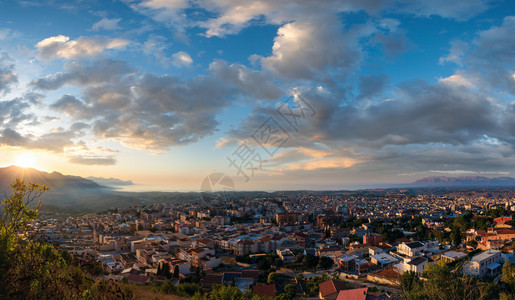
{"type": "Point", "coordinates": [106, 24]}
{"type": "Point", "coordinates": [181, 59]}
{"type": "Point", "coordinates": [457, 79]}
{"type": "Point", "coordinates": [62, 47]}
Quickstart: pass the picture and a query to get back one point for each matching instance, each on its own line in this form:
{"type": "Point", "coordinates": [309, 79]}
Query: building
{"type": "Point", "coordinates": [383, 260]}
{"type": "Point", "coordinates": [329, 289]}
{"type": "Point", "coordinates": [286, 255]}
{"type": "Point", "coordinates": [410, 249]}
{"type": "Point", "coordinates": [265, 290]}
{"type": "Point", "coordinates": [372, 239]}
{"type": "Point", "coordinates": [488, 263]}
{"type": "Point", "coordinates": [288, 218]}
{"type": "Point", "coordinates": [451, 256]}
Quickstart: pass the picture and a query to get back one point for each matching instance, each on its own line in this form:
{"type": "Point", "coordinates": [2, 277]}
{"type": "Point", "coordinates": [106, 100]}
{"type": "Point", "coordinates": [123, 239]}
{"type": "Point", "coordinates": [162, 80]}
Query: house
{"type": "Point", "coordinates": [329, 289]}
{"type": "Point", "coordinates": [211, 279]}
{"type": "Point", "coordinates": [487, 263]}
{"type": "Point", "coordinates": [417, 265]}
{"type": "Point", "coordinates": [451, 256]}
{"type": "Point", "coordinates": [286, 255]}
{"type": "Point", "coordinates": [265, 290]}
{"type": "Point", "coordinates": [137, 279]}
{"type": "Point", "coordinates": [346, 263]}
{"type": "Point", "coordinates": [353, 294]}
{"type": "Point", "coordinates": [410, 249]}
{"type": "Point", "coordinates": [361, 266]}
{"type": "Point", "coordinates": [383, 260]}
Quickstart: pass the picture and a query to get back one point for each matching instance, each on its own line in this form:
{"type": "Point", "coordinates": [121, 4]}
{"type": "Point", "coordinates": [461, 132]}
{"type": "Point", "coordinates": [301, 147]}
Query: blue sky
{"type": "Point", "coordinates": [166, 92]}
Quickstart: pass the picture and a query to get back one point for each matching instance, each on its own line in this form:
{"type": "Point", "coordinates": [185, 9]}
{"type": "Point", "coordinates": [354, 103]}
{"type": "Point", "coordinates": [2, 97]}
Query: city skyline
{"type": "Point", "coordinates": [164, 93]}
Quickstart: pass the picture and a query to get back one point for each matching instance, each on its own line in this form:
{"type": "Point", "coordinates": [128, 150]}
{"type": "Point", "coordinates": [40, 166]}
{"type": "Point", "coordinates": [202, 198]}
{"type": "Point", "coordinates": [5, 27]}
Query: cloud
{"type": "Point", "coordinates": [106, 24]}
{"type": "Point", "coordinates": [457, 79]}
{"type": "Point", "coordinates": [371, 85]}
{"type": "Point", "coordinates": [8, 76]}
{"type": "Point", "coordinates": [458, 10]}
{"type": "Point", "coordinates": [72, 107]}
{"type": "Point", "coordinates": [456, 52]}
{"type": "Point", "coordinates": [62, 47]}
{"type": "Point", "coordinates": [84, 74]}
{"type": "Point", "coordinates": [92, 160]}
{"type": "Point", "coordinates": [181, 59]}
{"type": "Point", "coordinates": [315, 50]}
{"type": "Point", "coordinates": [155, 46]}
{"type": "Point", "coordinates": [253, 83]}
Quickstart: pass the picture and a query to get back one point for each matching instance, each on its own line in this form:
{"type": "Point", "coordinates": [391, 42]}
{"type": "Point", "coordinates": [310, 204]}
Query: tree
{"type": "Point", "coordinates": [410, 283]}
{"type": "Point", "coordinates": [508, 275]}
{"type": "Point", "coordinates": [176, 272]}
{"type": "Point", "coordinates": [310, 261]}
{"type": "Point", "coordinates": [326, 262]}
{"type": "Point", "coordinates": [225, 292]}
{"type": "Point", "coordinates": [272, 278]}
{"type": "Point", "coordinates": [32, 270]}
{"type": "Point", "coordinates": [456, 236]}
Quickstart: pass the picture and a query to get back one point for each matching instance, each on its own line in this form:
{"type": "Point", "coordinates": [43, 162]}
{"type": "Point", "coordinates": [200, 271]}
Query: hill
{"type": "Point", "coordinates": [468, 181]}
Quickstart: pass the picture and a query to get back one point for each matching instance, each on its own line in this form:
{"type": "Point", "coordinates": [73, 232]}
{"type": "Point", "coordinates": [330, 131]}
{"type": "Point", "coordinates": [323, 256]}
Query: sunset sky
{"type": "Point", "coordinates": [297, 94]}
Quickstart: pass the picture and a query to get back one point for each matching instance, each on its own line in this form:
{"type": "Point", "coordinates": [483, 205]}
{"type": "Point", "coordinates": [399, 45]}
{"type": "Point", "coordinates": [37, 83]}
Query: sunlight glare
{"type": "Point", "coordinates": [25, 160]}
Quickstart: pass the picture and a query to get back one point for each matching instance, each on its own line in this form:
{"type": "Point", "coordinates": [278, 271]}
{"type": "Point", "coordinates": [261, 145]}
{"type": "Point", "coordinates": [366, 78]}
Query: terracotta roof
{"type": "Point", "coordinates": [265, 290]}
{"type": "Point", "coordinates": [390, 273]}
{"type": "Point", "coordinates": [331, 286]}
{"type": "Point", "coordinates": [354, 294]}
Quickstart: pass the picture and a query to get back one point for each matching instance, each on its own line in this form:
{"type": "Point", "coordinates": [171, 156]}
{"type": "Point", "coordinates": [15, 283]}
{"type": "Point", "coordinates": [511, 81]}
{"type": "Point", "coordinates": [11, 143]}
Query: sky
{"type": "Point", "coordinates": [276, 94]}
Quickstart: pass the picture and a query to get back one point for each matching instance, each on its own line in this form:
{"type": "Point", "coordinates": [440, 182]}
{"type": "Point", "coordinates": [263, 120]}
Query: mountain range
{"type": "Point", "coordinates": [464, 181]}
{"type": "Point", "coordinates": [76, 195]}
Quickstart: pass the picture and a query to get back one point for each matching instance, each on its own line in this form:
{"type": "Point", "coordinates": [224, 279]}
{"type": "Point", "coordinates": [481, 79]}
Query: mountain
{"type": "Point", "coordinates": [54, 180]}
{"type": "Point", "coordinates": [464, 181]}
{"type": "Point", "coordinates": [113, 182]}
{"type": "Point", "coordinates": [70, 195]}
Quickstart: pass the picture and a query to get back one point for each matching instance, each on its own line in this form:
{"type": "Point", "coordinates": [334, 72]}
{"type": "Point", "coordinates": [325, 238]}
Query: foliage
{"type": "Point", "coordinates": [325, 263]}
{"type": "Point", "coordinates": [272, 278]}
{"type": "Point", "coordinates": [443, 284]}
{"type": "Point", "coordinates": [31, 270]}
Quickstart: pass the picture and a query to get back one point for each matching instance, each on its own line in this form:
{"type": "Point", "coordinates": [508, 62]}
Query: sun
{"type": "Point", "coordinates": [25, 160]}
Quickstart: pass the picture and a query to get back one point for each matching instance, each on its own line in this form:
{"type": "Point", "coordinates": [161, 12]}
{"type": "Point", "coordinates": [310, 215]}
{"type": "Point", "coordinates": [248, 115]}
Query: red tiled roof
{"type": "Point", "coordinates": [265, 290]}
{"type": "Point", "coordinates": [354, 294]}
{"type": "Point", "coordinates": [331, 286]}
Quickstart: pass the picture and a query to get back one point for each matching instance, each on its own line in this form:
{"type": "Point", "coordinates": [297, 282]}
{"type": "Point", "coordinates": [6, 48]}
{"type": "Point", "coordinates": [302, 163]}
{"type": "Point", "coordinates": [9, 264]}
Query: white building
{"type": "Point", "coordinates": [486, 263]}
{"type": "Point", "coordinates": [383, 259]}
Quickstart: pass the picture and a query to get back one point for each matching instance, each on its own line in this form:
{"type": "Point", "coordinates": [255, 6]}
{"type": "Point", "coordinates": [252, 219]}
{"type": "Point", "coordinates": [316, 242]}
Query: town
{"type": "Point", "coordinates": [294, 245]}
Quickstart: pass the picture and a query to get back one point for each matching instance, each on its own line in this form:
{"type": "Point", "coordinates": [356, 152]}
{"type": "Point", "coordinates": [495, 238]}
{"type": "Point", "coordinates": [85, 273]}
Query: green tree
{"type": "Point", "coordinates": [272, 278]}
{"type": "Point", "coordinates": [325, 262]}
{"type": "Point", "coordinates": [508, 275]}
{"type": "Point", "coordinates": [32, 270]}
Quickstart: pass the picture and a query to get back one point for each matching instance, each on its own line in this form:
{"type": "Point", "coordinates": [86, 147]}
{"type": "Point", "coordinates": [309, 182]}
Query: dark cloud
{"type": "Point", "coordinates": [84, 74]}
{"type": "Point", "coordinates": [371, 85]}
{"type": "Point", "coordinates": [72, 107]}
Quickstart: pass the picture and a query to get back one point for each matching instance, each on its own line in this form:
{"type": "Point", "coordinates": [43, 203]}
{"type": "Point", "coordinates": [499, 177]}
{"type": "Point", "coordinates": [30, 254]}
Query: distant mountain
{"type": "Point", "coordinates": [70, 195]}
{"type": "Point", "coordinates": [114, 182]}
{"type": "Point", "coordinates": [464, 181]}
{"type": "Point", "coordinates": [54, 180]}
